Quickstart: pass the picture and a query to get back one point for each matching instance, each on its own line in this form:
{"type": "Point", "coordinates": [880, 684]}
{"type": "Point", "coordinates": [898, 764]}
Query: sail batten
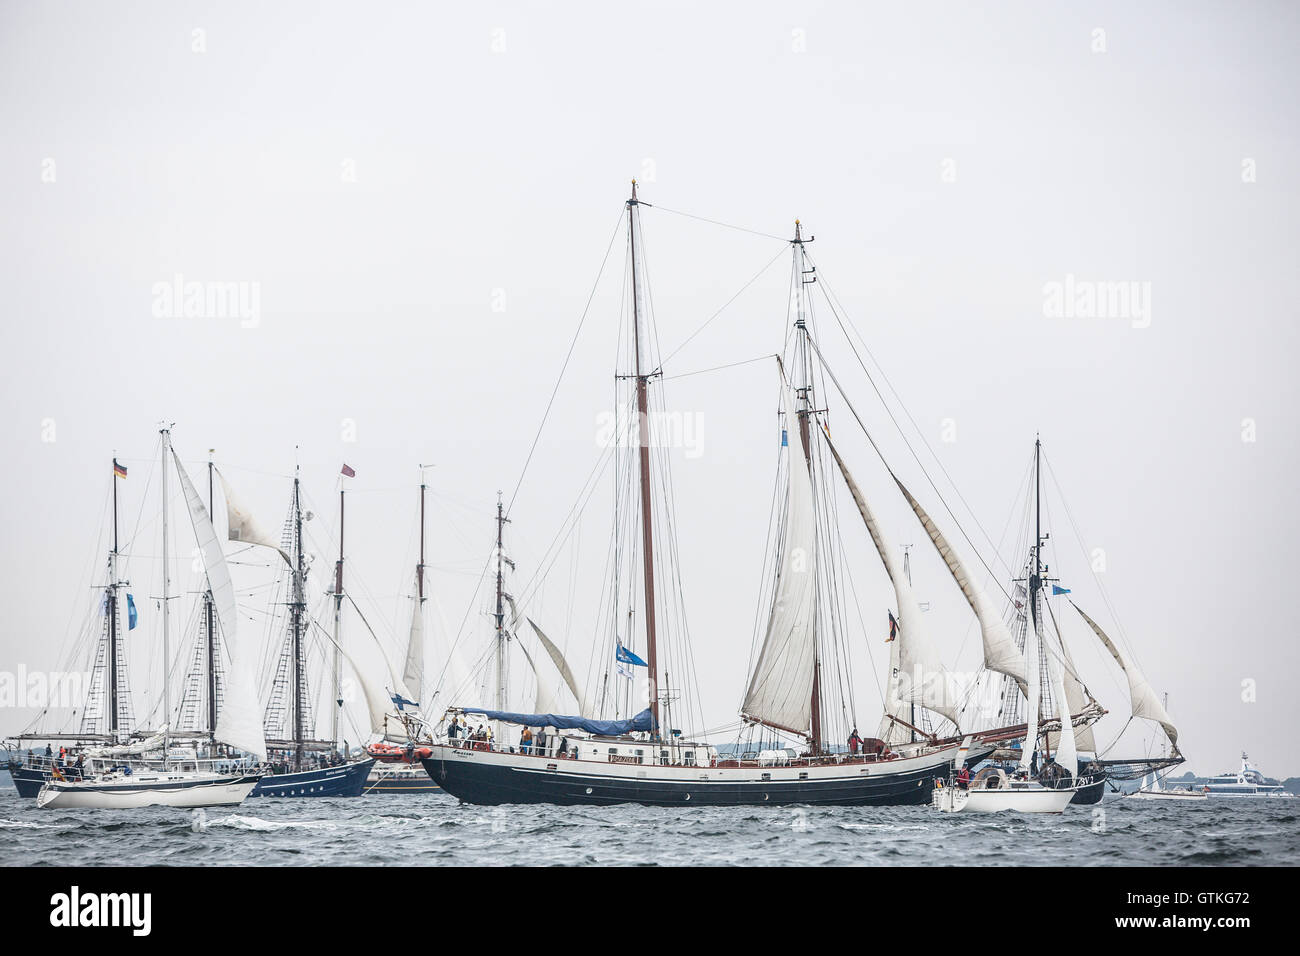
{"type": "Point", "coordinates": [239, 721]}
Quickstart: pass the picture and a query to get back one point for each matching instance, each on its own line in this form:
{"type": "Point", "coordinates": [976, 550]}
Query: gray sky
{"type": "Point", "coordinates": [422, 195]}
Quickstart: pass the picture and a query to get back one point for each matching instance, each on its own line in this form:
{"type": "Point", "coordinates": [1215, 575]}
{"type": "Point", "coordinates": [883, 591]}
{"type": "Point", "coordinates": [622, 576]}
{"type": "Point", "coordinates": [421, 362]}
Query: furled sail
{"type": "Point", "coordinates": [921, 678]}
{"type": "Point", "coordinates": [1144, 700]}
{"type": "Point", "coordinates": [239, 722]}
{"type": "Point", "coordinates": [1000, 651]}
{"type": "Point", "coordinates": [241, 525]}
{"type": "Point", "coordinates": [562, 665]}
{"type": "Point", "coordinates": [780, 688]}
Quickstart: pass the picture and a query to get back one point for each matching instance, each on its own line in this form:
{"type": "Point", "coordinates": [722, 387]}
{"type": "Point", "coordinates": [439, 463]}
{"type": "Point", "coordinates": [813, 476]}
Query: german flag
{"type": "Point", "coordinates": [119, 470]}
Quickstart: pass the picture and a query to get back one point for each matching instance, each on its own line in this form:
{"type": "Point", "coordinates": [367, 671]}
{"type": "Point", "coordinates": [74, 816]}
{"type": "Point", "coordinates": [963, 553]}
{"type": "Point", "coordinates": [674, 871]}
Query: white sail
{"type": "Point", "coordinates": [413, 672]}
{"type": "Point", "coordinates": [1075, 695]}
{"type": "Point", "coordinates": [780, 688]}
{"type": "Point", "coordinates": [1032, 639]}
{"type": "Point", "coordinates": [241, 525]}
{"type": "Point", "coordinates": [544, 699]}
{"type": "Point", "coordinates": [562, 665]}
{"type": "Point", "coordinates": [239, 722]}
{"type": "Point", "coordinates": [891, 731]}
{"type": "Point", "coordinates": [1144, 701]}
{"type": "Point", "coordinates": [921, 678]}
{"type": "Point", "coordinates": [1066, 753]}
{"type": "Point", "coordinates": [1000, 651]}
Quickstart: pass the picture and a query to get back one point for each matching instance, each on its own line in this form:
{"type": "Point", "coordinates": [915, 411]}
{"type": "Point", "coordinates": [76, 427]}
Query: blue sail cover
{"type": "Point", "coordinates": [604, 728]}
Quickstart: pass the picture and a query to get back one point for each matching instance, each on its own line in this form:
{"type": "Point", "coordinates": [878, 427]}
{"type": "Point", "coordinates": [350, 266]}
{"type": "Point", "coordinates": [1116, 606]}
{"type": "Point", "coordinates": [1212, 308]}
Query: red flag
{"type": "Point", "coordinates": [348, 472]}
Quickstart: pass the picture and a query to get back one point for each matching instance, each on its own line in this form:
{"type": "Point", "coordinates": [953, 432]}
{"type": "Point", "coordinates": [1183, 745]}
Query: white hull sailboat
{"type": "Point", "coordinates": [129, 778]}
{"type": "Point", "coordinates": [148, 788]}
{"type": "Point", "coordinates": [998, 793]}
{"type": "Point", "coordinates": [1155, 790]}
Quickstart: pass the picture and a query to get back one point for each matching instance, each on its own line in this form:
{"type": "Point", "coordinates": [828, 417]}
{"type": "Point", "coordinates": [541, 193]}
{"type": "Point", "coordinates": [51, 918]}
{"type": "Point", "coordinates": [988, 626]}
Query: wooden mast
{"type": "Point", "coordinates": [1035, 579]}
{"type": "Point", "coordinates": [112, 617]}
{"type": "Point", "coordinates": [338, 619]}
{"type": "Point", "coordinates": [805, 407]}
{"type": "Point", "coordinates": [502, 674]}
{"type": "Point", "coordinates": [209, 608]}
{"type": "Point", "coordinates": [297, 606]}
{"type": "Point", "coordinates": [643, 440]}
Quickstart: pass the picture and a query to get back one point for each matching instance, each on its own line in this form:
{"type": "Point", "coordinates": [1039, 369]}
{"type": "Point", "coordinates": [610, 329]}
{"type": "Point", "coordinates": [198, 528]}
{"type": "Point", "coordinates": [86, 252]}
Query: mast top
{"type": "Point", "coordinates": [633, 200]}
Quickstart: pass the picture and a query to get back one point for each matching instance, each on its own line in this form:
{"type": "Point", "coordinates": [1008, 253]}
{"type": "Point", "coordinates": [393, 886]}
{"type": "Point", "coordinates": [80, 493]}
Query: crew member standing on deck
{"type": "Point", "coordinates": [854, 742]}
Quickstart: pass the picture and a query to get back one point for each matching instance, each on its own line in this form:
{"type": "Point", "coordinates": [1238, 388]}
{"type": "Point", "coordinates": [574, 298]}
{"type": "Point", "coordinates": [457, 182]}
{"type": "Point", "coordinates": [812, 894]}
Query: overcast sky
{"type": "Point", "coordinates": [420, 196]}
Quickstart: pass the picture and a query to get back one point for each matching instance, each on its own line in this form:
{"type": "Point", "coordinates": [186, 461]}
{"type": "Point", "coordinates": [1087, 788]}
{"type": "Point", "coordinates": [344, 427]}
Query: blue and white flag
{"type": "Point", "coordinates": [131, 615]}
{"type": "Point", "coordinates": [402, 703]}
{"type": "Point", "coordinates": [1056, 589]}
{"type": "Point", "coordinates": [627, 657]}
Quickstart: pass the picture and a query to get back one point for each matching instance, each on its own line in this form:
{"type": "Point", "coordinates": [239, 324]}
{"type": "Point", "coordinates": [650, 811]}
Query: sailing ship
{"type": "Point", "coordinates": [398, 768]}
{"type": "Point", "coordinates": [166, 781]}
{"type": "Point", "coordinates": [1031, 788]}
{"type": "Point", "coordinates": [1153, 789]}
{"type": "Point", "coordinates": [641, 757]}
{"type": "Point", "coordinates": [304, 766]}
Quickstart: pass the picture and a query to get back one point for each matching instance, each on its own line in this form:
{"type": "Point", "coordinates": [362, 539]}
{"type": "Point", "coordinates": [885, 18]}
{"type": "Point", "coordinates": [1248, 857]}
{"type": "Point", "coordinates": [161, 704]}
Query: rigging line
{"type": "Point", "coordinates": [568, 355]}
{"type": "Point", "coordinates": [884, 462]}
{"type": "Point", "coordinates": [716, 368]}
{"type": "Point", "coordinates": [831, 300]}
{"type": "Point", "coordinates": [717, 222]}
{"type": "Point", "coordinates": [739, 292]}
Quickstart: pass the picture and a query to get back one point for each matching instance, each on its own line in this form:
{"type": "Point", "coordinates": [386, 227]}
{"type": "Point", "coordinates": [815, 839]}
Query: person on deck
{"type": "Point", "coordinates": [963, 778]}
{"type": "Point", "coordinates": [854, 742]}
{"type": "Point", "coordinates": [526, 741]}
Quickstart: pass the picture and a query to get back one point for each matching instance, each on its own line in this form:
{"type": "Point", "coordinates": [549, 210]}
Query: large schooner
{"type": "Point", "coordinates": [641, 757]}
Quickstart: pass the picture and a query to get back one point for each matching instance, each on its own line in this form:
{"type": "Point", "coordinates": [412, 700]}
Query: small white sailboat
{"type": "Point", "coordinates": [1155, 790]}
{"type": "Point", "coordinates": [189, 781]}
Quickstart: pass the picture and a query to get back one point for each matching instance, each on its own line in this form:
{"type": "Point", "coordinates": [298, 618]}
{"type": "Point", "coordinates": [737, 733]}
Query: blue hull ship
{"type": "Point", "coordinates": [345, 780]}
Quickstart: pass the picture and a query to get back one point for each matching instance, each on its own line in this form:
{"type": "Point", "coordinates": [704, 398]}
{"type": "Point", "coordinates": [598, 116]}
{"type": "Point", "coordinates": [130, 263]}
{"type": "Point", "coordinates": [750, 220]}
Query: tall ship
{"type": "Point", "coordinates": [797, 705]}
{"type": "Point", "coordinates": [302, 764]}
{"type": "Point", "coordinates": [401, 748]}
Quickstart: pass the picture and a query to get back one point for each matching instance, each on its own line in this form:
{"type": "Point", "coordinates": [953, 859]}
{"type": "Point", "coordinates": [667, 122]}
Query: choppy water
{"type": "Point", "coordinates": [437, 830]}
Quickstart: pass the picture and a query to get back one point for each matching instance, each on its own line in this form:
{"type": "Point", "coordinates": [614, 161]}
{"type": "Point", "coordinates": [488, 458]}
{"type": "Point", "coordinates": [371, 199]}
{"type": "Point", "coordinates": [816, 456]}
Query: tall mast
{"type": "Point", "coordinates": [209, 608]}
{"type": "Point", "coordinates": [502, 674]}
{"type": "Point", "coordinates": [338, 617]}
{"type": "Point", "coordinates": [802, 391]}
{"type": "Point", "coordinates": [166, 582]}
{"type": "Point", "coordinates": [643, 440]}
{"type": "Point", "coordinates": [1035, 579]}
{"type": "Point", "coordinates": [419, 568]}
{"type": "Point", "coordinates": [298, 603]}
{"type": "Point", "coordinates": [112, 617]}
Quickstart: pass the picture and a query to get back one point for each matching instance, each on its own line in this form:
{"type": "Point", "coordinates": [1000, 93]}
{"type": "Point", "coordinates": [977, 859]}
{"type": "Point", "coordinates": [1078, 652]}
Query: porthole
{"type": "Point", "coordinates": [589, 790]}
{"type": "Point", "coordinates": [688, 796]}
